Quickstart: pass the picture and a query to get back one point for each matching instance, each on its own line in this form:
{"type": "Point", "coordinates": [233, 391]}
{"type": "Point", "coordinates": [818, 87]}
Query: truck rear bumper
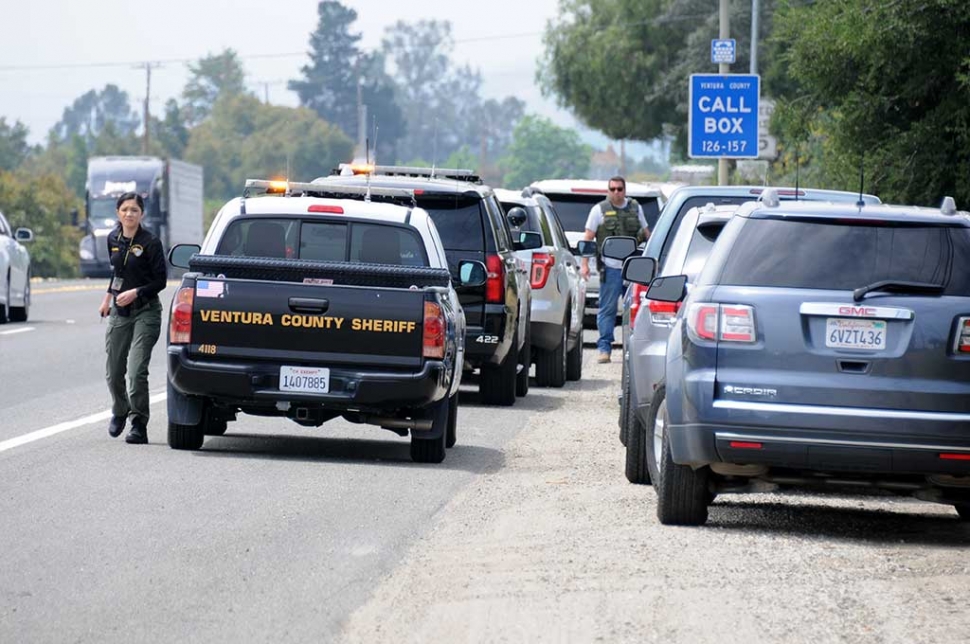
{"type": "Point", "coordinates": [257, 384]}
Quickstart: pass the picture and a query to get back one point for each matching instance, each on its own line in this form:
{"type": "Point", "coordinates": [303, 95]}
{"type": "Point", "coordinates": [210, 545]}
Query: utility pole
{"type": "Point", "coordinates": [147, 66]}
{"type": "Point", "coordinates": [755, 15]}
{"type": "Point", "coordinates": [723, 68]}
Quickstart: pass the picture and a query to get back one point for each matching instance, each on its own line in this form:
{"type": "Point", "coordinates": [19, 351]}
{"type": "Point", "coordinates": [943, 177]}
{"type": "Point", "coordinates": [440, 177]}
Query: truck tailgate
{"type": "Point", "coordinates": [307, 324]}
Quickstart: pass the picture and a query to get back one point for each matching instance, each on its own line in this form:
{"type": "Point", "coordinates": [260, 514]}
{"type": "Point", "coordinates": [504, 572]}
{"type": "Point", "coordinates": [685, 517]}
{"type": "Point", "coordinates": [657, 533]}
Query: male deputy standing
{"type": "Point", "coordinates": [617, 215]}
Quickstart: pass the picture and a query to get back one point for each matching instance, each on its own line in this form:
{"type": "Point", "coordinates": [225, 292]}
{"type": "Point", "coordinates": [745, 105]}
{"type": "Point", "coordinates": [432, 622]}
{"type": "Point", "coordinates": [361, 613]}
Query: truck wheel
{"type": "Point", "coordinates": [551, 365]}
{"type": "Point", "coordinates": [636, 444]}
{"type": "Point", "coordinates": [432, 450]}
{"type": "Point", "coordinates": [452, 421]}
{"type": "Point", "coordinates": [497, 382]}
{"type": "Point", "coordinates": [525, 362]}
{"type": "Point", "coordinates": [682, 495]}
{"type": "Point", "coordinates": [5, 307]}
{"type": "Point", "coordinates": [963, 509]}
{"type": "Point", "coordinates": [185, 436]}
{"type": "Point", "coordinates": [574, 361]}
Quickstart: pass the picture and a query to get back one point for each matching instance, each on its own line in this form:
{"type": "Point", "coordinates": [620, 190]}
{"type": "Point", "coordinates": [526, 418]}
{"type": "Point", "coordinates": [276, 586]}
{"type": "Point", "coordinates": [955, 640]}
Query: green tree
{"type": "Point", "coordinates": [541, 149]}
{"type": "Point", "coordinates": [211, 77]}
{"type": "Point", "coordinates": [881, 83]}
{"type": "Point", "coordinates": [93, 111]}
{"type": "Point", "coordinates": [337, 69]}
{"type": "Point", "coordinates": [243, 138]}
{"type": "Point", "coordinates": [13, 144]}
{"type": "Point", "coordinates": [170, 134]}
{"type": "Point", "coordinates": [43, 202]}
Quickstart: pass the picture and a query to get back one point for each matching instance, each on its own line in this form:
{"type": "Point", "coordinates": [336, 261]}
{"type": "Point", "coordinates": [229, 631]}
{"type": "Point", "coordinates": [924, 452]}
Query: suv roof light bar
{"type": "Point", "coordinates": [288, 188]}
{"type": "Point", "coordinates": [460, 174]}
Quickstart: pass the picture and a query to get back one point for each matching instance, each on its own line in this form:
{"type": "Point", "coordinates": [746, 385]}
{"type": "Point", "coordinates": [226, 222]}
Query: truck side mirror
{"type": "Point", "coordinates": [619, 247]}
{"type": "Point", "coordinates": [471, 273]}
{"type": "Point", "coordinates": [180, 255]}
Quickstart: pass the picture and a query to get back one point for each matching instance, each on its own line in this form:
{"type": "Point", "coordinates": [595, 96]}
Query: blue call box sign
{"type": "Point", "coordinates": [723, 118]}
{"type": "Point", "coordinates": [723, 51]}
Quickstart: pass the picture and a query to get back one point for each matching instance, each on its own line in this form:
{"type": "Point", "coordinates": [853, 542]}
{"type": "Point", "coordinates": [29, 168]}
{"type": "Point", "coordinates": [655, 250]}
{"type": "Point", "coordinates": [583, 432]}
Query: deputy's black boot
{"type": "Point", "coordinates": [138, 434]}
{"type": "Point", "coordinates": [116, 425]}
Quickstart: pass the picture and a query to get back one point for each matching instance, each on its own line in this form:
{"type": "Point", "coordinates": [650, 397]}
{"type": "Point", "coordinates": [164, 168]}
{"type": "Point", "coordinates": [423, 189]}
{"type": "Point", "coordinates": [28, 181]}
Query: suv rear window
{"type": "Point", "coordinates": [846, 256]}
{"type": "Point", "coordinates": [573, 210]}
{"type": "Point", "coordinates": [458, 220]}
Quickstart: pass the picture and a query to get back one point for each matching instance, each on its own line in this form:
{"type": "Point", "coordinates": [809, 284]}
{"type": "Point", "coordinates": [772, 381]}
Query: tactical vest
{"type": "Point", "coordinates": [618, 221]}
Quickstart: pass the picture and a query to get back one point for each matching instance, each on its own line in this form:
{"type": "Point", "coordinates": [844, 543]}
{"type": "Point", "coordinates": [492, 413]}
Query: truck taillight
{"type": "Point", "coordinates": [434, 331]}
{"type": "Point", "coordinates": [495, 279]}
{"type": "Point", "coordinates": [963, 335]}
{"type": "Point", "coordinates": [180, 320]}
{"type": "Point", "coordinates": [724, 322]}
{"type": "Point", "coordinates": [541, 267]}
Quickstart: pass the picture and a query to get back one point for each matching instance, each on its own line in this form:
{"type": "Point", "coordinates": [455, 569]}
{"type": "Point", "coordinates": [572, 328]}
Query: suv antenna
{"type": "Point", "coordinates": [287, 193]}
{"type": "Point", "coordinates": [369, 170]}
{"type": "Point", "coordinates": [434, 148]}
{"type": "Point", "coordinates": [796, 173]}
{"type": "Point", "coordinates": [375, 140]}
{"type": "Point", "coordinates": [862, 179]}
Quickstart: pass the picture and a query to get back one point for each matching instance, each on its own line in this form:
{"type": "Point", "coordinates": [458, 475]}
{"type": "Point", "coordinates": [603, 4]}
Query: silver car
{"type": "Point", "coordinates": [645, 338]}
{"type": "Point", "coordinates": [558, 290]}
{"type": "Point", "coordinates": [14, 273]}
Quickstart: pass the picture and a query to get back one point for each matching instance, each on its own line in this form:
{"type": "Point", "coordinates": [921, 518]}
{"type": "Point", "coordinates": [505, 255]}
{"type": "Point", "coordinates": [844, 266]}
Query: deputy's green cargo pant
{"type": "Point", "coordinates": [129, 342]}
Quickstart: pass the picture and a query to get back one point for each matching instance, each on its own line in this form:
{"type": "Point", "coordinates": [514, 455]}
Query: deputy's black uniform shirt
{"type": "Point", "coordinates": [140, 263]}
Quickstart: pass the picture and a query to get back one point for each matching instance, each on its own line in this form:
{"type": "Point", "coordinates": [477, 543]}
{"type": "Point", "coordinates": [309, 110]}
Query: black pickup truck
{"type": "Point", "coordinates": [314, 306]}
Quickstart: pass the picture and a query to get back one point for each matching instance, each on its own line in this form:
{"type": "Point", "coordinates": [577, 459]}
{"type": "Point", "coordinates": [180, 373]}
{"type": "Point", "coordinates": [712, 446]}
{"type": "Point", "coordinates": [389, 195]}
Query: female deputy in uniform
{"type": "Point", "coordinates": [135, 316]}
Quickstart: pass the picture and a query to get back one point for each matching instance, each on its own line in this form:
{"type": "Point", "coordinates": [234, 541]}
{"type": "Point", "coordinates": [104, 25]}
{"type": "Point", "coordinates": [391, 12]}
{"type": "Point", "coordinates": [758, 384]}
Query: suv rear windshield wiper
{"type": "Point", "coordinates": [895, 286]}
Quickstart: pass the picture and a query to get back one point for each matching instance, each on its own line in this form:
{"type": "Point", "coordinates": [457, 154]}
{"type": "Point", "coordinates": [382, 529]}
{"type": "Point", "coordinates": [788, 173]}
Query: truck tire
{"type": "Point", "coordinates": [636, 445]}
{"type": "Point", "coordinates": [525, 362]}
{"type": "Point", "coordinates": [497, 382]}
{"type": "Point", "coordinates": [682, 494]}
{"type": "Point", "coordinates": [574, 361]}
{"type": "Point", "coordinates": [551, 364]}
{"type": "Point", "coordinates": [452, 421]}
{"type": "Point", "coordinates": [188, 437]}
{"type": "Point", "coordinates": [432, 450]}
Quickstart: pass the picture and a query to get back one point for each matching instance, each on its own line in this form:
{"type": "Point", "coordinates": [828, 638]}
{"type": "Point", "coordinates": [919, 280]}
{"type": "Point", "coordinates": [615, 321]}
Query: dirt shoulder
{"type": "Point", "coordinates": [558, 547]}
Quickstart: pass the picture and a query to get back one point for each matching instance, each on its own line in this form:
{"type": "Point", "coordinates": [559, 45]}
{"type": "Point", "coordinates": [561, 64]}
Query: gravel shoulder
{"type": "Point", "coordinates": [556, 546]}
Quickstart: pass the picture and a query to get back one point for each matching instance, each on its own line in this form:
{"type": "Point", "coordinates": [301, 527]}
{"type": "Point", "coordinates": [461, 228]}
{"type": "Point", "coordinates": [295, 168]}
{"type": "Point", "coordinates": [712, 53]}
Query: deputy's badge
{"type": "Point", "coordinates": [137, 250]}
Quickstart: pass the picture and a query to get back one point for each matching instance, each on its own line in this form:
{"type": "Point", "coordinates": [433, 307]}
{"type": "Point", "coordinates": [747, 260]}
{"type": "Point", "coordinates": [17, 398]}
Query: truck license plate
{"type": "Point", "coordinates": [306, 380]}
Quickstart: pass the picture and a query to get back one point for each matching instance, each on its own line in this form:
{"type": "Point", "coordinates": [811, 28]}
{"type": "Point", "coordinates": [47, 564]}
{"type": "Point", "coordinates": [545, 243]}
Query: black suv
{"type": "Point", "coordinates": [472, 226]}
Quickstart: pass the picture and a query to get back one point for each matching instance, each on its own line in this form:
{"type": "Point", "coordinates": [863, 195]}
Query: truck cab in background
{"type": "Point", "coordinates": [172, 191]}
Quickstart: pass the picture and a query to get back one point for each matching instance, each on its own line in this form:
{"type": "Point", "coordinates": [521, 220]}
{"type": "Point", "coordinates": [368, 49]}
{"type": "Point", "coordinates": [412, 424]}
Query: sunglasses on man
{"type": "Point", "coordinates": [617, 188]}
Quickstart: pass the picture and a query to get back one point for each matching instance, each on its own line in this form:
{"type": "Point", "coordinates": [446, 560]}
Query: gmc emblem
{"type": "Point", "coordinates": [858, 311]}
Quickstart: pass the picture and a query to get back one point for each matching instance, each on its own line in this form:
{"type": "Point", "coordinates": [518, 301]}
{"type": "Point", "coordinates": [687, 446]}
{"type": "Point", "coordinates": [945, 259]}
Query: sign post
{"type": "Point", "coordinates": [723, 117]}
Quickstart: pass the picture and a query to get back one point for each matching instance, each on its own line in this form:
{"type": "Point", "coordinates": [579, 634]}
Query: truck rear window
{"type": "Point", "coordinates": [840, 256]}
{"type": "Point", "coordinates": [335, 241]}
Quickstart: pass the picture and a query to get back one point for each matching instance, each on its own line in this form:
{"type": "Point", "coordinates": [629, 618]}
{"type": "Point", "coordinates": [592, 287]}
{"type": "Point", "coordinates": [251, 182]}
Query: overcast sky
{"type": "Point", "coordinates": [55, 50]}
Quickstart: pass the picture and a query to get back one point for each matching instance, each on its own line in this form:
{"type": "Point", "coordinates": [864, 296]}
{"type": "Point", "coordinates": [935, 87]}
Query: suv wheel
{"type": "Point", "coordinates": [574, 360]}
{"type": "Point", "coordinates": [525, 362]}
{"type": "Point", "coordinates": [21, 313]}
{"type": "Point", "coordinates": [637, 444]}
{"type": "Point", "coordinates": [682, 494]}
{"type": "Point", "coordinates": [497, 383]}
{"type": "Point", "coordinates": [551, 365]}
{"type": "Point", "coordinates": [625, 390]}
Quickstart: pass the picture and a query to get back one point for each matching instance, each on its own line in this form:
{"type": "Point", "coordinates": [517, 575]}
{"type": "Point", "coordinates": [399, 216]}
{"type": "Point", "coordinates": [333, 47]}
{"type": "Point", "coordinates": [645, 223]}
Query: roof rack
{"type": "Point", "coordinates": [458, 174]}
{"type": "Point", "coordinates": [335, 189]}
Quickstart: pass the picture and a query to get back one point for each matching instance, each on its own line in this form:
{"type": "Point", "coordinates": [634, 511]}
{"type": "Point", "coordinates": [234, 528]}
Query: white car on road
{"type": "Point", "coordinates": [14, 272]}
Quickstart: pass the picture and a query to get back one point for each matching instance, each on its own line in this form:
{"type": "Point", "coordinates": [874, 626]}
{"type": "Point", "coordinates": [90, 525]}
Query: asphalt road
{"type": "Point", "coordinates": [274, 532]}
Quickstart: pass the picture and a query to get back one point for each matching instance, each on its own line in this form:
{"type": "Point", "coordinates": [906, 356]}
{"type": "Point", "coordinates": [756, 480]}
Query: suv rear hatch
{"type": "Point", "coordinates": [793, 328]}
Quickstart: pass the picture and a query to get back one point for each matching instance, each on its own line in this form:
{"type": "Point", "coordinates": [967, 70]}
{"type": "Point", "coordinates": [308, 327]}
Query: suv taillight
{"type": "Point", "coordinates": [434, 331]}
{"type": "Point", "coordinates": [963, 335]}
{"type": "Point", "coordinates": [495, 281]}
{"type": "Point", "coordinates": [180, 320]}
{"type": "Point", "coordinates": [708, 321]}
{"type": "Point", "coordinates": [662, 313]}
{"type": "Point", "coordinates": [541, 267]}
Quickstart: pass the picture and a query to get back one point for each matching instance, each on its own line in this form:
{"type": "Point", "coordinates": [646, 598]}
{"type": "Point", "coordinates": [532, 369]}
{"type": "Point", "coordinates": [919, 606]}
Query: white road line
{"type": "Point", "coordinates": [66, 426]}
{"type": "Point", "coordinates": [13, 331]}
